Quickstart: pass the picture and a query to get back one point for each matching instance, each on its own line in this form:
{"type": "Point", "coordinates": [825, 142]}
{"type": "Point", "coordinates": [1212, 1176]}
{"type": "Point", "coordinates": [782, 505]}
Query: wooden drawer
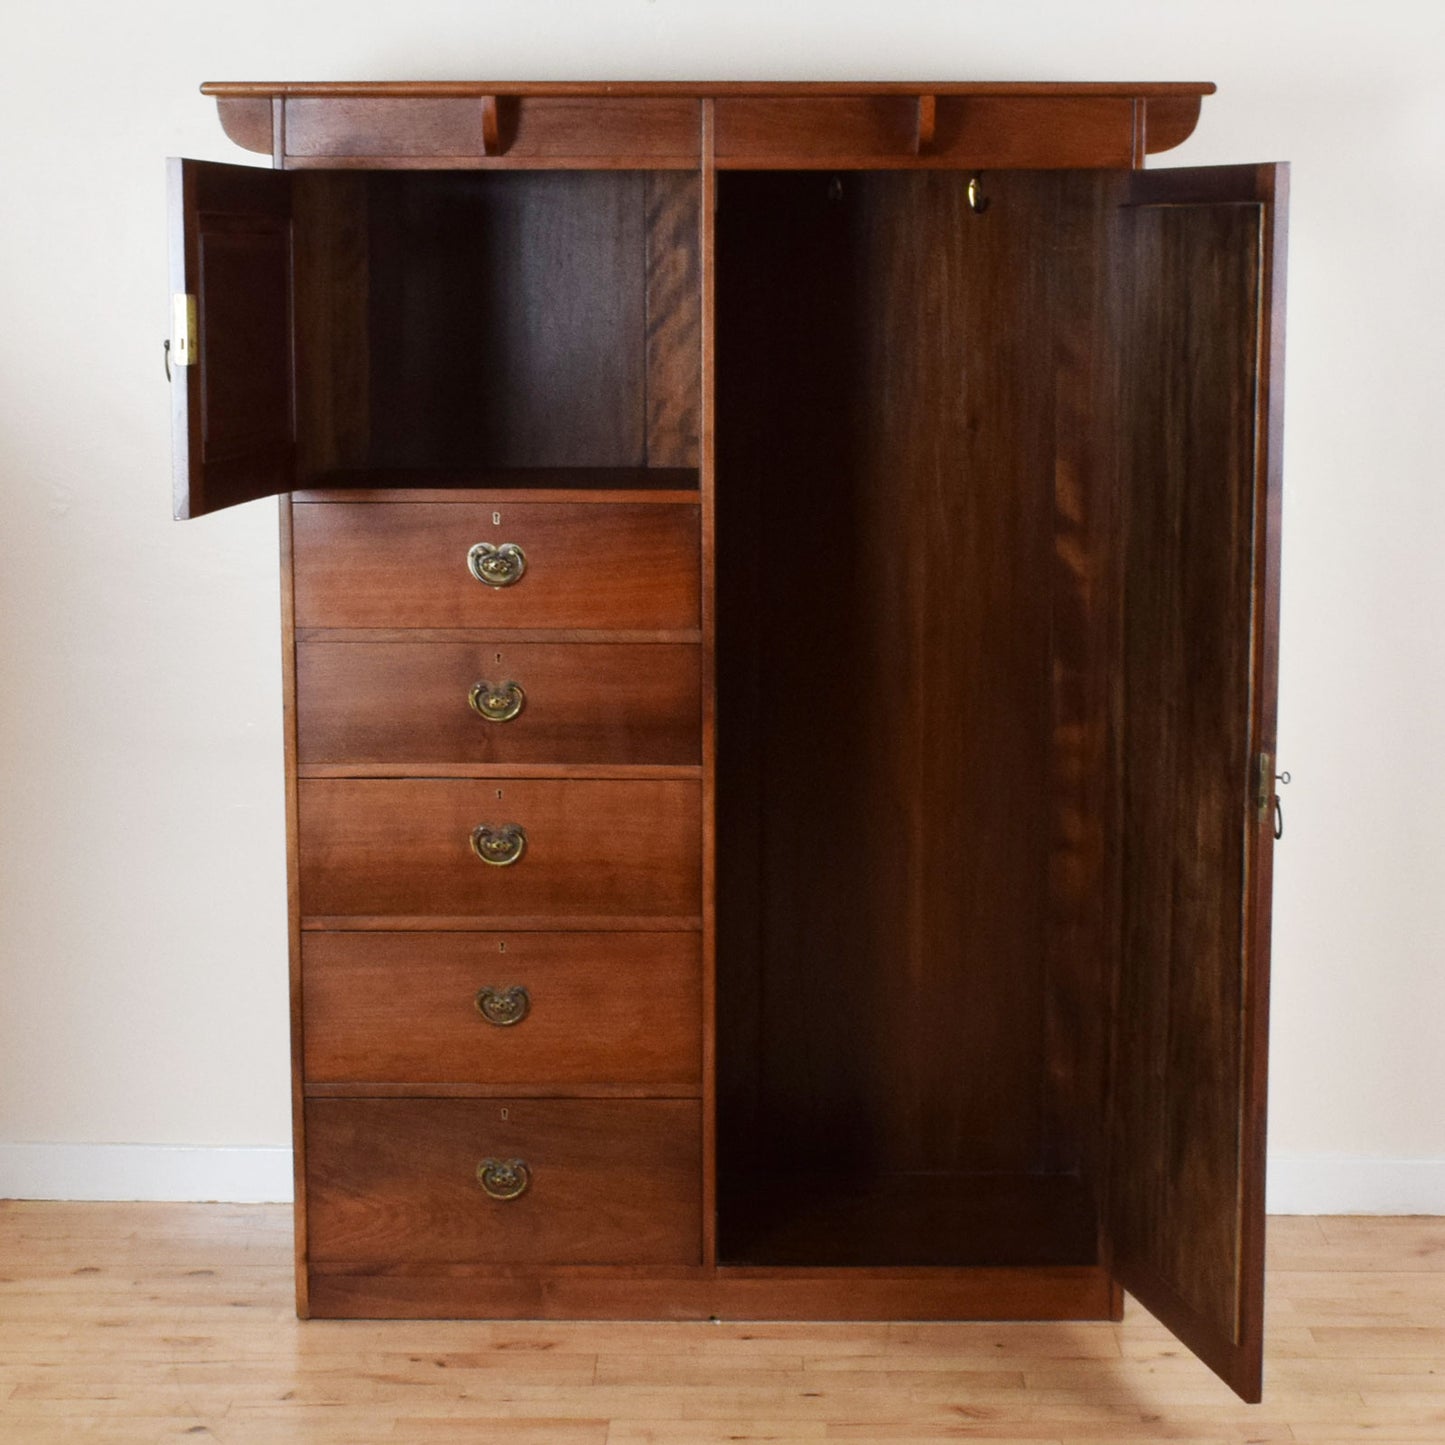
{"type": "Point", "coordinates": [395, 1181]}
{"type": "Point", "coordinates": [595, 853]}
{"type": "Point", "coordinates": [598, 565]}
{"type": "Point", "coordinates": [611, 1011]}
{"type": "Point", "coordinates": [408, 702]}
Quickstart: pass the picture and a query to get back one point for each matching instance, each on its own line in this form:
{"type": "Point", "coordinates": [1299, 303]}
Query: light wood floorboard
{"type": "Point", "coordinates": [129, 1324]}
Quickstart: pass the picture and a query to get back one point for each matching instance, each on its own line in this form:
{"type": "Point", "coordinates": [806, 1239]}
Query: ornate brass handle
{"type": "Point", "coordinates": [497, 566]}
{"type": "Point", "coordinates": [504, 1006]}
{"type": "Point", "coordinates": [497, 704]}
{"type": "Point", "coordinates": [499, 846]}
{"type": "Point", "coordinates": [504, 1178]}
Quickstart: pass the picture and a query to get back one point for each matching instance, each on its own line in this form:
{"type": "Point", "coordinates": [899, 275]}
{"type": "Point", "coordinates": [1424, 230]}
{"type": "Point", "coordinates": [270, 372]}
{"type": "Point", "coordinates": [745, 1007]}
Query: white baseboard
{"type": "Point", "coordinates": [1298, 1183]}
{"type": "Point", "coordinates": [1354, 1184]}
{"type": "Point", "coordinates": [145, 1171]}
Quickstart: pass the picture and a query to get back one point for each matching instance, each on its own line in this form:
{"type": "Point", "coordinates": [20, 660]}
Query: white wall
{"type": "Point", "coordinates": [142, 935]}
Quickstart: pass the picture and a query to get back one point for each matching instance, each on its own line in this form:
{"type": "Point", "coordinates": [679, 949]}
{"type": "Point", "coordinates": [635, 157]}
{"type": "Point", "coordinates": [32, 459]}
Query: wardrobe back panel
{"type": "Point", "coordinates": [886, 476]}
{"type": "Point", "coordinates": [453, 319]}
{"type": "Point", "coordinates": [506, 320]}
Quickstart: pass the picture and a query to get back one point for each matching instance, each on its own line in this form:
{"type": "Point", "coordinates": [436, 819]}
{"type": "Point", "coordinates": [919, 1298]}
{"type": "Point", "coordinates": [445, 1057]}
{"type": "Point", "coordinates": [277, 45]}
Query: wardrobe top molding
{"type": "Point", "coordinates": [679, 125]}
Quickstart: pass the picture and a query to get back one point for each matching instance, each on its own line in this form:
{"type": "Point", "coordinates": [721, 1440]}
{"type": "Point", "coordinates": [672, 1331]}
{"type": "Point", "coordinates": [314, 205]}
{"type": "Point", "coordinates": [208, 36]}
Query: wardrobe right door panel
{"type": "Point", "coordinates": [1199, 324]}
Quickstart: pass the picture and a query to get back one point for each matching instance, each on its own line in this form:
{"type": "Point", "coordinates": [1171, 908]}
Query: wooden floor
{"type": "Point", "coordinates": [153, 1322]}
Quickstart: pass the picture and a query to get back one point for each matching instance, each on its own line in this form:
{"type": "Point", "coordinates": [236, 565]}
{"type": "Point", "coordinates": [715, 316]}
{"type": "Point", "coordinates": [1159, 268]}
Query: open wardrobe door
{"type": "Point", "coordinates": [1200, 326]}
{"type": "Point", "coordinates": [230, 353]}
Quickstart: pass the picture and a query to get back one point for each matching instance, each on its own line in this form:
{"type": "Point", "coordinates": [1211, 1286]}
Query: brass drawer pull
{"type": "Point", "coordinates": [497, 704]}
{"type": "Point", "coordinates": [504, 1006]}
{"type": "Point", "coordinates": [497, 566]}
{"type": "Point", "coordinates": [499, 846]}
{"type": "Point", "coordinates": [504, 1178]}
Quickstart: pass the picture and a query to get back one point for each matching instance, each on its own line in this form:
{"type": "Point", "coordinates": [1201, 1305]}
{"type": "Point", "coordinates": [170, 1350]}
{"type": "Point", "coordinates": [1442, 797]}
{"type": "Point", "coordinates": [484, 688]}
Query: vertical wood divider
{"type": "Point", "coordinates": [293, 903]}
{"type": "Point", "coordinates": [706, 482]}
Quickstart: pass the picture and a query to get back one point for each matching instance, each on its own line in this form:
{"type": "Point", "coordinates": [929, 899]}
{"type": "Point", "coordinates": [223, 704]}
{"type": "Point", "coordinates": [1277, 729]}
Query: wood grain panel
{"type": "Point", "coordinates": [332, 294]}
{"type": "Point", "coordinates": [1169, 121]}
{"type": "Point", "coordinates": [1186, 1188]}
{"type": "Point", "coordinates": [247, 121]}
{"type": "Point", "coordinates": [881, 130]}
{"type": "Point", "coordinates": [635, 129]}
{"type": "Point", "coordinates": [674, 320]}
{"type": "Point", "coordinates": [872, 1219]}
{"type": "Point", "coordinates": [536, 128]}
{"type": "Point", "coordinates": [1186, 744]}
{"type": "Point", "coordinates": [393, 1181]}
{"type": "Point", "coordinates": [364, 702]}
{"type": "Point", "coordinates": [1005, 132]}
{"type": "Point", "coordinates": [508, 316]}
{"type": "Point", "coordinates": [729, 1294]}
{"type": "Point", "coordinates": [823, 128]}
{"type": "Point", "coordinates": [707, 486]}
{"type": "Point", "coordinates": [383, 127]}
{"type": "Point", "coordinates": [295, 1007]}
{"type": "Point", "coordinates": [605, 1009]}
{"type": "Point", "coordinates": [594, 849]}
{"type": "Point", "coordinates": [1082, 621]}
{"type": "Point", "coordinates": [405, 565]}
{"type": "Point", "coordinates": [885, 734]}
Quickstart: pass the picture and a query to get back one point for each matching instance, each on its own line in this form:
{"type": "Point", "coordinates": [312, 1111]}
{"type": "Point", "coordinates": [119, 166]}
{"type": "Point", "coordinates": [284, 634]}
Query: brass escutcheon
{"type": "Point", "coordinates": [504, 1178]}
{"type": "Point", "coordinates": [497, 566]}
{"type": "Point", "coordinates": [504, 1006]}
{"type": "Point", "coordinates": [499, 846]}
{"type": "Point", "coordinates": [497, 704]}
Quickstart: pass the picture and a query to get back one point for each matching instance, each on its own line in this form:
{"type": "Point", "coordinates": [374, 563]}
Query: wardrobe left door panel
{"type": "Point", "coordinates": [231, 352]}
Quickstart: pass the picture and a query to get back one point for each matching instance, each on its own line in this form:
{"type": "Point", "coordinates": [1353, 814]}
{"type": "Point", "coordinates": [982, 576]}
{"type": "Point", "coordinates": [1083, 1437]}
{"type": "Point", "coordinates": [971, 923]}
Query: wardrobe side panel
{"type": "Point", "coordinates": [293, 906]}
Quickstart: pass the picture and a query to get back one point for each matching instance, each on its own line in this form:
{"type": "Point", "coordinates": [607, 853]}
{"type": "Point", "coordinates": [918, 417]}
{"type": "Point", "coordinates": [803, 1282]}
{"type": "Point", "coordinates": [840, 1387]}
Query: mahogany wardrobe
{"type": "Point", "coordinates": [780, 595]}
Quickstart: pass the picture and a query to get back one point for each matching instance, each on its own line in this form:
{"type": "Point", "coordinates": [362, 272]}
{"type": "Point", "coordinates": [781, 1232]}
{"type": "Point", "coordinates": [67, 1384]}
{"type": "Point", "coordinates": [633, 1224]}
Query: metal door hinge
{"type": "Point", "coordinates": [183, 330]}
{"type": "Point", "coordinates": [1266, 797]}
{"type": "Point", "coordinates": [1264, 782]}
